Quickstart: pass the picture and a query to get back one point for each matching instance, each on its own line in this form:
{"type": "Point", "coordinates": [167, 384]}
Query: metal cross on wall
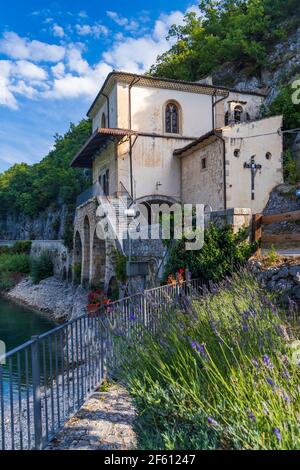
{"type": "Point", "coordinates": [254, 167]}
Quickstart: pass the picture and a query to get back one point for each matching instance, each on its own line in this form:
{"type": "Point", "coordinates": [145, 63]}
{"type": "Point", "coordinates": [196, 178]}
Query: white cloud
{"type": "Point", "coordinates": [6, 96]}
{"type": "Point", "coordinates": [128, 25]}
{"type": "Point", "coordinates": [95, 30]}
{"type": "Point", "coordinates": [83, 14]}
{"type": "Point", "coordinates": [29, 70]}
{"type": "Point", "coordinates": [138, 54]}
{"type": "Point", "coordinates": [70, 75]}
{"type": "Point", "coordinates": [87, 85]}
{"type": "Point", "coordinates": [16, 47]}
{"type": "Point", "coordinates": [75, 61]}
{"type": "Point", "coordinates": [58, 70]}
{"type": "Point", "coordinates": [58, 31]}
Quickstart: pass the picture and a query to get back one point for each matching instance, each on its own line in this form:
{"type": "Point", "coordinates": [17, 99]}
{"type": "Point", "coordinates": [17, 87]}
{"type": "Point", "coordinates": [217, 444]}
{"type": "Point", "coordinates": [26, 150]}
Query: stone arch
{"type": "Point", "coordinates": [98, 263]}
{"type": "Point", "coordinates": [113, 291]}
{"type": "Point", "coordinates": [148, 201]}
{"type": "Point", "coordinates": [86, 251]}
{"type": "Point", "coordinates": [77, 264]}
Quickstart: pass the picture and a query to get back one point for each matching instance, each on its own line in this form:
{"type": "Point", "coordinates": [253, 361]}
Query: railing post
{"type": "Point", "coordinates": [36, 385]}
{"type": "Point", "coordinates": [257, 230]}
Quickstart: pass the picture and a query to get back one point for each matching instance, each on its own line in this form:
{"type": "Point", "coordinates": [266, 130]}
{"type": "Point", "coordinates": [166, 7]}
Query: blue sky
{"type": "Point", "coordinates": [54, 57]}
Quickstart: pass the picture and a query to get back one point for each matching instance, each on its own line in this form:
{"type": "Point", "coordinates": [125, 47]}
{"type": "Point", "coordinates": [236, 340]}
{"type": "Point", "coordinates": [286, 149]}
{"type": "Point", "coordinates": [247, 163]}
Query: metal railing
{"type": "Point", "coordinates": [46, 380]}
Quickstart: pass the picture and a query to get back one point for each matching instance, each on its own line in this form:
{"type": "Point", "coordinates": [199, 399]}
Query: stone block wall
{"type": "Point", "coordinates": [236, 218]}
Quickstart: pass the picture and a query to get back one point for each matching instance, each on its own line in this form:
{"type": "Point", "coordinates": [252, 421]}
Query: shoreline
{"type": "Point", "coordinates": [57, 300]}
{"type": "Point", "coordinates": [43, 313]}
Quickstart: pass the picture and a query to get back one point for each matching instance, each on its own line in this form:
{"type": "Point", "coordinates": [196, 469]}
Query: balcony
{"type": "Point", "coordinates": [91, 193]}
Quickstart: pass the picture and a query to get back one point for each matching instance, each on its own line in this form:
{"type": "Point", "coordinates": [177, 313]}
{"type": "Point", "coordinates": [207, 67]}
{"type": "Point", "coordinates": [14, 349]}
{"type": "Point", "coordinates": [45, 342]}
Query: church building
{"type": "Point", "coordinates": [158, 140]}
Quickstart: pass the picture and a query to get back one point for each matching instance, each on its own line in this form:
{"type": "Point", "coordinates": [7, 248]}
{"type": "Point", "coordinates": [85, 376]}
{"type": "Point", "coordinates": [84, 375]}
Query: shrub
{"type": "Point", "coordinates": [222, 253]}
{"type": "Point", "coordinates": [22, 246]}
{"type": "Point", "coordinates": [224, 375]}
{"type": "Point", "coordinates": [15, 263]}
{"type": "Point", "coordinates": [41, 267]}
{"type": "Point", "coordinates": [291, 172]}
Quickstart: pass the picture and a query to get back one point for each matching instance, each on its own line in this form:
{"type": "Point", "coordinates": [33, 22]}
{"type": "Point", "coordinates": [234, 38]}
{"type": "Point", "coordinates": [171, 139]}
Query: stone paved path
{"type": "Point", "coordinates": [105, 422]}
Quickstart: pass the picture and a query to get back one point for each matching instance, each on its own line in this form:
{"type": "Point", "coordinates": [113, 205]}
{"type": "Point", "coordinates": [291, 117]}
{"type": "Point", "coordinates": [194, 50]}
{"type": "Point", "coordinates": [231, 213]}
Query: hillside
{"type": "Point", "coordinates": [248, 44]}
{"type": "Point", "coordinates": [37, 201]}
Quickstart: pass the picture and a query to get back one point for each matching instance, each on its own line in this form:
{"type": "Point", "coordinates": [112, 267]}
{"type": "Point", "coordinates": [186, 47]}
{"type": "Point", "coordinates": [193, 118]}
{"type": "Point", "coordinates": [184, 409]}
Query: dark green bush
{"type": "Point", "coordinates": [41, 267]}
{"type": "Point", "coordinates": [22, 246]}
{"type": "Point", "coordinates": [15, 263]}
{"type": "Point", "coordinates": [222, 253]}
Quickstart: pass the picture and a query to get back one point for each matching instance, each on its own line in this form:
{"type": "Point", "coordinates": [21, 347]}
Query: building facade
{"type": "Point", "coordinates": [158, 140]}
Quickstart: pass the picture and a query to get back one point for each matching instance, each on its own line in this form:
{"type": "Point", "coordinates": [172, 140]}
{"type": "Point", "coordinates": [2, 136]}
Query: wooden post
{"type": "Point", "coordinates": [257, 231]}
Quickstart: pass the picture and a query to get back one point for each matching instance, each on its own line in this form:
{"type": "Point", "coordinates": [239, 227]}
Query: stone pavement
{"type": "Point", "coordinates": [105, 422]}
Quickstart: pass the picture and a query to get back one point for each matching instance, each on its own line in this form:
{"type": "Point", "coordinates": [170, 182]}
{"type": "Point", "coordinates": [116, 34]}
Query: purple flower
{"type": "Point", "coordinates": [199, 348]}
{"type": "Point", "coordinates": [267, 362]}
{"type": "Point", "coordinates": [132, 317]}
{"type": "Point", "coordinates": [277, 434]}
{"type": "Point", "coordinates": [270, 382]}
{"type": "Point", "coordinates": [213, 422]}
{"type": "Point", "coordinates": [252, 417]}
{"type": "Point", "coordinates": [213, 326]}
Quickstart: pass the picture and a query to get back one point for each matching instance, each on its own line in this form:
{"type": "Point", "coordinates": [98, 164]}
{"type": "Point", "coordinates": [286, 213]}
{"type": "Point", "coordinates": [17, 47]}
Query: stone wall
{"type": "Point", "coordinates": [283, 279]}
{"type": "Point", "coordinates": [60, 255]}
{"type": "Point", "coordinates": [236, 218]}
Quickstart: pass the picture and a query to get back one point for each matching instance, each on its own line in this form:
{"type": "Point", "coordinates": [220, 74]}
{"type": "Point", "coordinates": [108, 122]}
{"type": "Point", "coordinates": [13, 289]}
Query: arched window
{"type": "Point", "coordinates": [238, 112]}
{"type": "Point", "coordinates": [172, 118]}
{"type": "Point", "coordinates": [103, 121]}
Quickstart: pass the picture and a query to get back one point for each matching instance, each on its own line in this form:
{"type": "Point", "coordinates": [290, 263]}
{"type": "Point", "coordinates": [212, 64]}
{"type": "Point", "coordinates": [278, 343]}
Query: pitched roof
{"type": "Point", "coordinates": [99, 139]}
{"type": "Point", "coordinates": [192, 146]}
{"type": "Point", "coordinates": [167, 83]}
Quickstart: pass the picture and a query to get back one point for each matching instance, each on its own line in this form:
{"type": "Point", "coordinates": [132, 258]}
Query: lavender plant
{"type": "Point", "coordinates": [223, 375]}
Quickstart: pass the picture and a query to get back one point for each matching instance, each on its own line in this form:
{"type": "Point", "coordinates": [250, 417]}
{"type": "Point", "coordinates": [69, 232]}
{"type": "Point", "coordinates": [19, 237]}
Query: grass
{"type": "Point", "coordinates": [222, 376]}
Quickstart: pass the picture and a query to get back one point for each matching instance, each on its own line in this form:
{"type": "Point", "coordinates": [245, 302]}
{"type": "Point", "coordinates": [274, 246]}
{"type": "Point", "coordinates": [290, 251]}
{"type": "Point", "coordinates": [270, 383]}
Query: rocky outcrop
{"type": "Point", "coordinates": [283, 279]}
{"type": "Point", "coordinates": [48, 225]}
{"type": "Point", "coordinates": [60, 300]}
{"type": "Point", "coordinates": [282, 199]}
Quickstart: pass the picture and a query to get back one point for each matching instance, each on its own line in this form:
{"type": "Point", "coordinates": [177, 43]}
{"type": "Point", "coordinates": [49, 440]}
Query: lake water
{"type": "Point", "coordinates": [18, 324]}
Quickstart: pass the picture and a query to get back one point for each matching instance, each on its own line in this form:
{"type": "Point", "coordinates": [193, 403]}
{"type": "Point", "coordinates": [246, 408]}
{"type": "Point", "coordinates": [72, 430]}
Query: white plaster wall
{"type": "Point", "coordinates": [255, 138]}
{"type": "Point", "coordinates": [252, 106]}
{"type": "Point", "coordinates": [107, 160]}
{"type": "Point", "coordinates": [148, 106]}
{"type": "Point", "coordinates": [113, 110]}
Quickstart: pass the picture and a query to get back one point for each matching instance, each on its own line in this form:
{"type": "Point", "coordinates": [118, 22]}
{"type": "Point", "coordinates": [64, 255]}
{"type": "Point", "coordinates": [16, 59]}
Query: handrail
{"type": "Point", "coordinates": [48, 378]}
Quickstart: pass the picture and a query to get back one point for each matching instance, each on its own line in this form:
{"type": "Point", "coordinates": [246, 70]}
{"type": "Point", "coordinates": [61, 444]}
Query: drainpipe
{"type": "Point", "coordinates": [108, 111]}
{"type": "Point", "coordinates": [223, 143]}
{"type": "Point", "coordinates": [134, 81]}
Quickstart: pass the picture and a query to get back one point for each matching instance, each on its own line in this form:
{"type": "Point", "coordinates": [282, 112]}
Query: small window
{"type": "Point", "coordinates": [172, 118]}
{"type": "Point", "coordinates": [237, 153]}
{"type": "Point", "coordinates": [238, 112]}
{"type": "Point", "coordinates": [103, 121]}
{"type": "Point", "coordinates": [204, 163]}
{"type": "Point", "coordinates": [227, 118]}
{"type": "Point", "coordinates": [268, 155]}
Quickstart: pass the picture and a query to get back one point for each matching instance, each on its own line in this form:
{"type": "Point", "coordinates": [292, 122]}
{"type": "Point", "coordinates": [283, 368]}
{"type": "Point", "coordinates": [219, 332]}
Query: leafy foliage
{"type": "Point", "coordinates": [31, 189]}
{"type": "Point", "coordinates": [226, 30]}
{"type": "Point", "coordinates": [221, 375]}
{"type": "Point", "coordinates": [41, 267]}
{"type": "Point", "coordinates": [222, 253]}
